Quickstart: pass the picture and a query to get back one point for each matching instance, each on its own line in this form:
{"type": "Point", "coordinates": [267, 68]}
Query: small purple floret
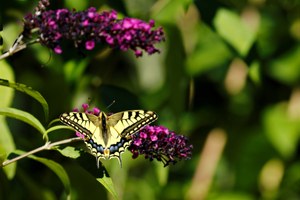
{"type": "Point", "coordinates": [89, 45]}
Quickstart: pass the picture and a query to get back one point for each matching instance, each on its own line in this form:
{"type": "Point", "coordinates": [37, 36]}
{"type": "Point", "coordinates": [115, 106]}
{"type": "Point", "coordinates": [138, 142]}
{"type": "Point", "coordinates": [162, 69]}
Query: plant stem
{"type": "Point", "coordinates": [46, 146]}
{"type": "Point", "coordinates": [17, 46]}
{"type": "Point", "coordinates": [9, 53]}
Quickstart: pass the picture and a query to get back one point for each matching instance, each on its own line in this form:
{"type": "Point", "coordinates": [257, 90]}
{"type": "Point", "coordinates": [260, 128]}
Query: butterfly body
{"type": "Point", "coordinates": [108, 136]}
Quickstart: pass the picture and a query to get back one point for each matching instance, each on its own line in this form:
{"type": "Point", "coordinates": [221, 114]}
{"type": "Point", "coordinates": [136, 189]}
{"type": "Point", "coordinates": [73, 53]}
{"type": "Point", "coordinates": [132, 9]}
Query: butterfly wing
{"type": "Point", "coordinates": [86, 124]}
{"type": "Point", "coordinates": [91, 127]}
{"type": "Point", "coordinates": [129, 122]}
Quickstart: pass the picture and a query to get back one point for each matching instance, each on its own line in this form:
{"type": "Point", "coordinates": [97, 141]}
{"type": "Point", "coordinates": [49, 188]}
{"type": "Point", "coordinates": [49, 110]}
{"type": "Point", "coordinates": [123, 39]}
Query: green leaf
{"type": "Point", "coordinates": [100, 174]}
{"type": "Point", "coordinates": [6, 140]}
{"type": "Point", "coordinates": [7, 145]}
{"type": "Point", "coordinates": [78, 5]}
{"type": "Point", "coordinates": [10, 33]}
{"type": "Point", "coordinates": [5, 93]}
{"type": "Point", "coordinates": [70, 152]}
{"type": "Point", "coordinates": [56, 168]}
{"type": "Point", "coordinates": [162, 173]}
{"type": "Point", "coordinates": [286, 68]}
{"type": "Point", "coordinates": [137, 8]}
{"type": "Point", "coordinates": [282, 131]}
{"type": "Point", "coordinates": [25, 117]}
{"type": "Point", "coordinates": [210, 53]}
{"type": "Point", "coordinates": [170, 10]}
{"type": "Point", "coordinates": [73, 69]}
{"type": "Point", "coordinates": [254, 72]}
{"type": "Point", "coordinates": [28, 90]}
{"type": "Point", "coordinates": [230, 26]}
{"type": "Point", "coordinates": [108, 184]}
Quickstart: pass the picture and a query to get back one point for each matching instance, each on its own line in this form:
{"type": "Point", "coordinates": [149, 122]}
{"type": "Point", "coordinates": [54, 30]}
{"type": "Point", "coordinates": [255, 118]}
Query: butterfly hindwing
{"type": "Point", "coordinates": [108, 136]}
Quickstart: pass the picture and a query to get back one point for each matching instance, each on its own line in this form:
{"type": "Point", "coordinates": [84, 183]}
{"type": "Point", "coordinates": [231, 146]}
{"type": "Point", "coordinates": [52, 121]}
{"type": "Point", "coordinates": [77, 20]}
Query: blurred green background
{"type": "Point", "coordinates": [227, 77]}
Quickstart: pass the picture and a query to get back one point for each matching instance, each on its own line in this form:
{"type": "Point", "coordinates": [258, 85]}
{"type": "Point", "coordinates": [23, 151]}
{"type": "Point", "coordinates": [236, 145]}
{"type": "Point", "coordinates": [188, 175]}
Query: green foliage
{"type": "Point", "coordinates": [7, 144]}
{"type": "Point", "coordinates": [27, 90]}
{"type": "Point", "coordinates": [228, 65]}
{"type": "Point", "coordinates": [241, 38]}
{"type": "Point", "coordinates": [283, 131]}
{"type": "Point", "coordinates": [287, 75]}
{"type": "Point", "coordinates": [25, 117]}
{"type": "Point", "coordinates": [108, 184]}
{"type": "Point", "coordinates": [56, 168]}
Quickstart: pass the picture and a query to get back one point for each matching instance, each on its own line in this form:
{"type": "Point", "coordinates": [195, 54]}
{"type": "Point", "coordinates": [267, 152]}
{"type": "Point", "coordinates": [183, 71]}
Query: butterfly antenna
{"type": "Point", "coordinates": [111, 103]}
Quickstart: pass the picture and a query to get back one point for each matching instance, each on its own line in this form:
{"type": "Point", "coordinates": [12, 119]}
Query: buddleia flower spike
{"type": "Point", "coordinates": [158, 142]}
{"type": "Point", "coordinates": [88, 28]}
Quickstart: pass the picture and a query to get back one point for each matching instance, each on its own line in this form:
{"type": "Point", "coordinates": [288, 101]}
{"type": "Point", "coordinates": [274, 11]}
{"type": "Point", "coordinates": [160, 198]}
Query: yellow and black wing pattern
{"type": "Point", "coordinates": [108, 136]}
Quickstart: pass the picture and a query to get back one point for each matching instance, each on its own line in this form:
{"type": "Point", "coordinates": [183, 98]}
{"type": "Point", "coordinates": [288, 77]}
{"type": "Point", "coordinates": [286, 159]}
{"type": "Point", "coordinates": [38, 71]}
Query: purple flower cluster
{"type": "Point", "coordinates": [85, 108]}
{"type": "Point", "coordinates": [158, 142]}
{"type": "Point", "coordinates": [88, 28]}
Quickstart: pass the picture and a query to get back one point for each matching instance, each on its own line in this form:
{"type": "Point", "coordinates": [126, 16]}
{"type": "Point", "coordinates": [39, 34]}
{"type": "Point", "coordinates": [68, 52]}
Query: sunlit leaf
{"type": "Point", "coordinates": [282, 131]}
{"type": "Point", "coordinates": [108, 184]}
{"type": "Point", "coordinates": [210, 52]}
{"type": "Point", "coordinates": [70, 152]}
{"type": "Point", "coordinates": [286, 68]}
{"type": "Point", "coordinates": [162, 173]}
{"type": "Point", "coordinates": [7, 146]}
{"type": "Point", "coordinates": [6, 140]}
{"type": "Point", "coordinates": [254, 73]}
{"type": "Point", "coordinates": [78, 5]}
{"type": "Point", "coordinates": [230, 26]}
{"type": "Point", "coordinates": [169, 11]}
{"type": "Point", "coordinates": [137, 8]}
{"type": "Point", "coordinates": [10, 33]}
{"type": "Point", "coordinates": [25, 117]}
{"type": "Point", "coordinates": [28, 90]}
{"type": "Point", "coordinates": [6, 94]}
{"type": "Point", "coordinates": [1, 29]}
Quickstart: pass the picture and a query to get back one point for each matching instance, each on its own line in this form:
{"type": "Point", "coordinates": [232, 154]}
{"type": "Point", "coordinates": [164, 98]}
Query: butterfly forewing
{"type": "Point", "coordinates": [129, 122]}
{"type": "Point", "coordinates": [86, 124]}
